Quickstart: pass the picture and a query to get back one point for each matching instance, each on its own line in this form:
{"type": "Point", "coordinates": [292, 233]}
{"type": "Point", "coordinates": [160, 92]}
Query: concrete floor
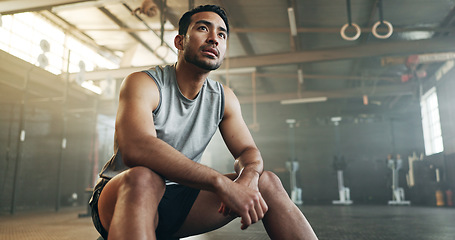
{"type": "Point", "coordinates": [329, 222]}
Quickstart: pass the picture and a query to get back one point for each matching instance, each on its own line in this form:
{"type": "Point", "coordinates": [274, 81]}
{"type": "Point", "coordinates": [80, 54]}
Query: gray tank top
{"type": "Point", "coordinates": [188, 125]}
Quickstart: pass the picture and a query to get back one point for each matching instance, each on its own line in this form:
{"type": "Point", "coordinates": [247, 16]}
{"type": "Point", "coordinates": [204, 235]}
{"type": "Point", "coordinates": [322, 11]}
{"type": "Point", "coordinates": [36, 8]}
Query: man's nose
{"type": "Point", "coordinates": [212, 38]}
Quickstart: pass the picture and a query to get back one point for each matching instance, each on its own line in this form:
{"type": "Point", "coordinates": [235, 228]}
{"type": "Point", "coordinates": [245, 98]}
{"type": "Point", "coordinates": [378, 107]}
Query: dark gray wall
{"type": "Point", "coordinates": [366, 140]}
{"type": "Point", "coordinates": [446, 98]}
{"type": "Point", "coordinates": [365, 144]}
{"type": "Point", "coordinates": [40, 154]}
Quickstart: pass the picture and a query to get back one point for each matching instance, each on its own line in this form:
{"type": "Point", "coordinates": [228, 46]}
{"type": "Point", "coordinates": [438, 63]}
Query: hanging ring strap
{"type": "Point", "coordinates": [385, 36]}
{"type": "Point", "coordinates": [353, 38]}
{"type": "Point", "coordinates": [163, 21]}
{"type": "Point", "coordinates": [380, 9]}
{"type": "Point", "coordinates": [382, 21]}
{"type": "Point", "coordinates": [350, 24]}
{"type": "Point", "coordinates": [348, 9]}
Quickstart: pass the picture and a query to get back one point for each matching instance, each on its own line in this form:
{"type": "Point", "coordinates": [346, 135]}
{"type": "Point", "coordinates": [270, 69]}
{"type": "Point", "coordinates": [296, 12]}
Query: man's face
{"type": "Point", "coordinates": [205, 41]}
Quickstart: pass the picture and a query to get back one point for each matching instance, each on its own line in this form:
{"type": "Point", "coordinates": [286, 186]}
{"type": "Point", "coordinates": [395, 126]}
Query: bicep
{"type": "Point", "coordinates": [235, 132]}
{"type": "Point", "coordinates": [138, 98]}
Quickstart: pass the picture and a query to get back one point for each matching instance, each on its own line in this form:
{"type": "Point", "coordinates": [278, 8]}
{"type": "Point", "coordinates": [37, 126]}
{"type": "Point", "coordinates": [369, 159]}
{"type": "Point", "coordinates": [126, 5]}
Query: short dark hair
{"type": "Point", "coordinates": [185, 20]}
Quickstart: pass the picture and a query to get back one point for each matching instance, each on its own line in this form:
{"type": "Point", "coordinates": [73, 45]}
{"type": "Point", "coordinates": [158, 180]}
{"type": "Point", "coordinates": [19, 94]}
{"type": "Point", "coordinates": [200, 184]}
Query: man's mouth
{"type": "Point", "coordinates": [210, 51]}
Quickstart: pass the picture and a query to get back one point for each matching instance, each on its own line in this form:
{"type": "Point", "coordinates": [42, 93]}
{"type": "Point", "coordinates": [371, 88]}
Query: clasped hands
{"type": "Point", "coordinates": [244, 200]}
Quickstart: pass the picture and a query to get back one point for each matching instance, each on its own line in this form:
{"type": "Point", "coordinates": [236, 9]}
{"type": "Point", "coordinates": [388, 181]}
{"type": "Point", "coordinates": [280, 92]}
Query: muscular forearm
{"type": "Point", "coordinates": [160, 157]}
{"type": "Point", "coordinates": [249, 161]}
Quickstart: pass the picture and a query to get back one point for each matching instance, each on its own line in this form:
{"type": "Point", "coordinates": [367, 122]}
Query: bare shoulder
{"type": "Point", "coordinates": [138, 81]}
{"type": "Point", "coordinates": [228, 91]}
{"type": "Point", "coordinates": [139, 86]}
{"type": "Point", "coordinates": [232, 105]}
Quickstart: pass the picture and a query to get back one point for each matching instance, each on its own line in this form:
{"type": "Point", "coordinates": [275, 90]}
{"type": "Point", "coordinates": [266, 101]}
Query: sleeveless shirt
{"type": "Point", "coordinates": [187, 125]}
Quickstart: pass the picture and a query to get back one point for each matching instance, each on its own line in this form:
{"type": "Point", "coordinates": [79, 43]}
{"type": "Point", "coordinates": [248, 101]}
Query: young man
{"type": "Point", "coordinates": [154, 186]}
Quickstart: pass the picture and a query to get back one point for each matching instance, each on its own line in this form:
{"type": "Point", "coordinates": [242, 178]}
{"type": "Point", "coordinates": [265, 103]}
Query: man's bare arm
{"type": "Point", "coordinates": [238, 138]}
{"type": "Point", "coordinates": [248, 163]}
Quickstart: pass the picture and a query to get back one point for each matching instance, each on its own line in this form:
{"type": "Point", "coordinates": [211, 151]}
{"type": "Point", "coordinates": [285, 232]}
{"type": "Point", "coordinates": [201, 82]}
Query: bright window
{"type": "Point", "coordinates": [432, 134]}
{"type": "Point", "coordinates": [21, 34]}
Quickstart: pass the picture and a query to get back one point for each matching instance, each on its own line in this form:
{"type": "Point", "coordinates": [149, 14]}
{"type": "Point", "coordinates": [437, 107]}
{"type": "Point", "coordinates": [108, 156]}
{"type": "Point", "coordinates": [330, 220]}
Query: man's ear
{"type": "Point", "coordinates": [178, 41]}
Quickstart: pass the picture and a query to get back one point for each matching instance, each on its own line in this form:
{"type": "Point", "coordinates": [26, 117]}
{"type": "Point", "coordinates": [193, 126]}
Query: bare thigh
{"type": "Point", "coordinates": [106, 202]}
{"type": "Point", "coordinates": [117, 198]}
{"type": "Point", "coordinates": [204, 216]}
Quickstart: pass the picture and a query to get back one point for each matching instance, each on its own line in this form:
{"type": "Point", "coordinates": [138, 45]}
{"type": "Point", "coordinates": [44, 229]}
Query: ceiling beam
{"type": "Point", "coordinates": [97, 75]}
{"type": "Point", "coordinates": [329, 30]}
{"type": "Point", "coordinates": [133, 35]}
{"type": "Point", "coordinates": [123, 72]}
{"type": "Point", "coordinates": [18, 6]}
{"type": "Point", "coordinates": [72, 30]}
{"type": "Point", "coordinates": [368, 50]}
{"type": "Point", "coordinates": [329, 77]}
{"type": "Point", "coordinates": [380, 91]}
{"type": "Point", "coordinates": [336, 30]}
{"type": "Point", "coordinates": [340, 53]}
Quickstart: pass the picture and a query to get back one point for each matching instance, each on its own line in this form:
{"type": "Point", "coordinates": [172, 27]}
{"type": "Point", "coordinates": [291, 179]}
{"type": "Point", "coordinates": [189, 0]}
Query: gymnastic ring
{"type": "Point", "coordinates": [343, 30]}
{"type": "Point", "coordinates": [375, 27]}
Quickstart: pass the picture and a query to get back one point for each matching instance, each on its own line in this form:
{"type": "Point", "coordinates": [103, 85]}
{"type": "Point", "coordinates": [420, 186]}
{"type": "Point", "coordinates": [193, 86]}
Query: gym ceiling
{"type": "Point", "coordinates": [359, 54]}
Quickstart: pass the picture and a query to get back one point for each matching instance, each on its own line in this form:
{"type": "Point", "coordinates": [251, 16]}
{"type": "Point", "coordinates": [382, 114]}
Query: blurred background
{"type": "Point", "coordinates": [325, 86]}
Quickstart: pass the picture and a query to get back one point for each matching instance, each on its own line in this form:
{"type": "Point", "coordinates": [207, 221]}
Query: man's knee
{"type": "Point", "coordinates": [141, 178]}
{"type": "Point", "coordinates": [137, 186]}
{"type": "Point", "coordinates": [269, 182]}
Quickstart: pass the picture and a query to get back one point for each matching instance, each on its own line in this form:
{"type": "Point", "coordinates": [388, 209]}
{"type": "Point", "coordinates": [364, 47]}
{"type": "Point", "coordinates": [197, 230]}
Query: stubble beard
{"type": "Point", "coordinates": [201, 63]}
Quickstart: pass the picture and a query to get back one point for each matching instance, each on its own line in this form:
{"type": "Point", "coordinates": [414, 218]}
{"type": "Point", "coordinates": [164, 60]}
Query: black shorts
{"type": "Point", "coordinates": [172, 210]}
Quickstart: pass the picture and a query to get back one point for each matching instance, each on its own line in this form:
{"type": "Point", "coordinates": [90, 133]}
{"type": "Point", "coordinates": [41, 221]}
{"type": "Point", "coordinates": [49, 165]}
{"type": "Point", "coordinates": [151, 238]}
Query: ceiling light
{"type": "Point", "coordinates": [300, 75]}
{"type": "Point", "coordinates": [335, 119]}
{"type": "Point", "coordinates": [292, 22]}
{"type": "Point", "coordinates": [222, 71]}
{"type": "Point", "coordinates": [304, 100]}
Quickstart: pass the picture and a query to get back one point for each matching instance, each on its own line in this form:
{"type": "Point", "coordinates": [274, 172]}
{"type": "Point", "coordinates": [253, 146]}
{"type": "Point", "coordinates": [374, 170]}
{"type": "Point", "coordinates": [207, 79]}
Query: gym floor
{"type": "Point", "coordinates": [330, 222]}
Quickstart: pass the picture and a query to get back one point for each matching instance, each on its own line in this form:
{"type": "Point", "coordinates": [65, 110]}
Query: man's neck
{"type": "Point", "coordinates": [190, 79]}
